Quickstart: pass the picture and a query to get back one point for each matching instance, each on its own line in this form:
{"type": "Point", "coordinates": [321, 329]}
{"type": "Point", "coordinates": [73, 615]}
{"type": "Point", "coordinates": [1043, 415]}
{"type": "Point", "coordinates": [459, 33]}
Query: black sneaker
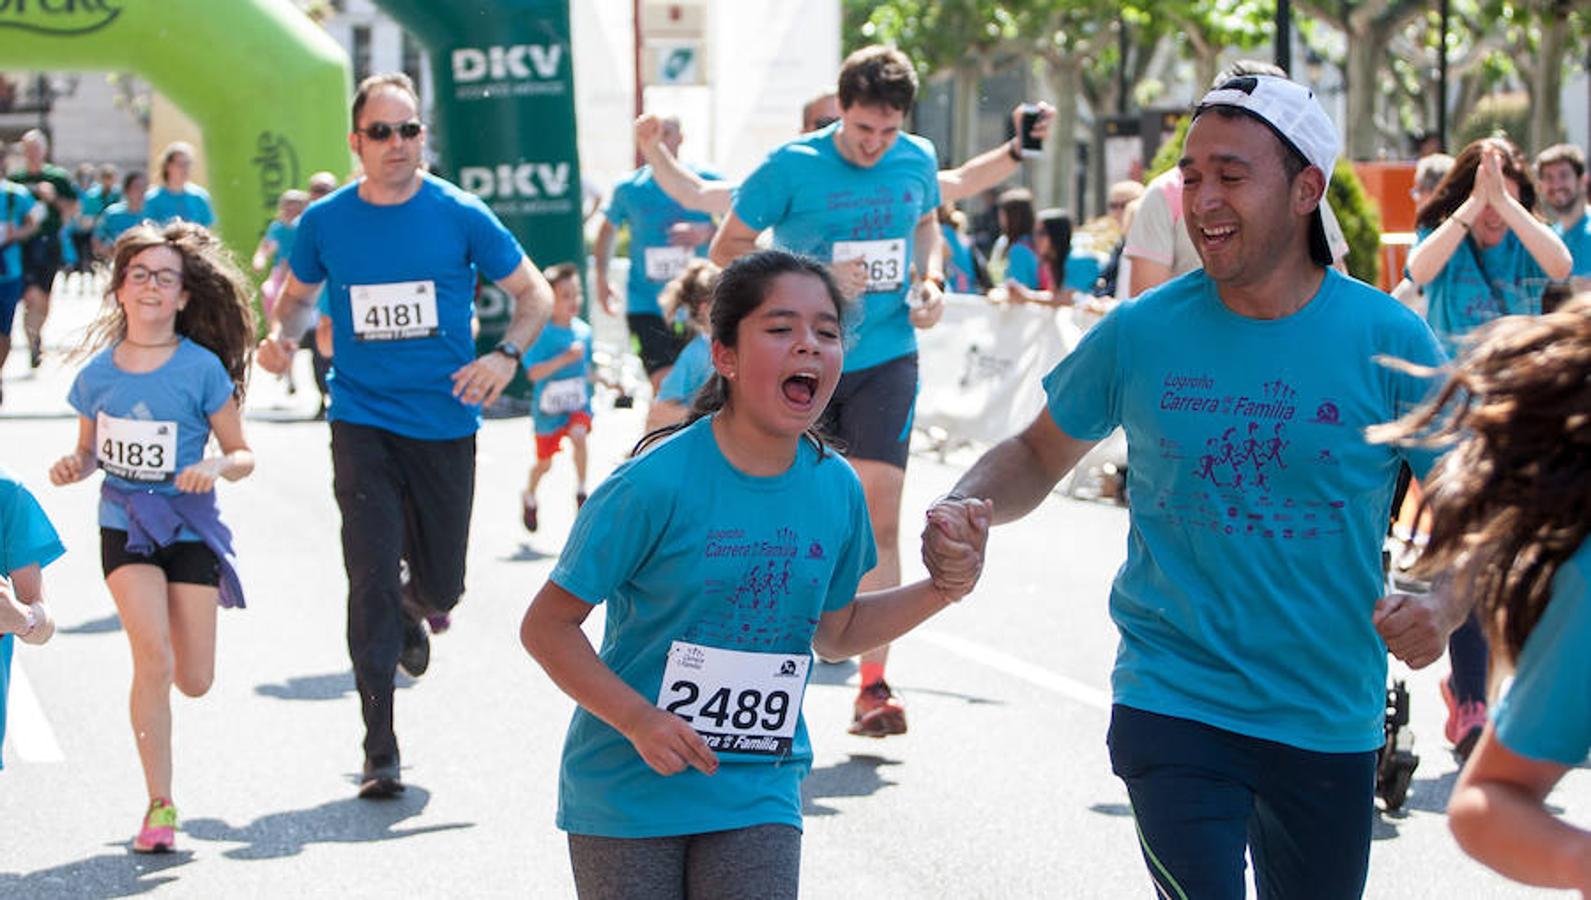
{"type": "Point", "coordinates": [416, 655]}
{"type": "Point", "coordinates": [380, 780]}
{"type": "Point", "coordinates": [35, 354]}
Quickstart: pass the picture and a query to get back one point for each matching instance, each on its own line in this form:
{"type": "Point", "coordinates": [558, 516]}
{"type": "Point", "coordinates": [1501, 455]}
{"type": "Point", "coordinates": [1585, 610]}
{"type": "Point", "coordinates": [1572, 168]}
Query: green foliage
{"type": "Point", "coordinates": [1508, 113]}
{"type": "Point", "coordinates": [1171, 151]}
{"type": "Point", "coordinates": [1360, 219]}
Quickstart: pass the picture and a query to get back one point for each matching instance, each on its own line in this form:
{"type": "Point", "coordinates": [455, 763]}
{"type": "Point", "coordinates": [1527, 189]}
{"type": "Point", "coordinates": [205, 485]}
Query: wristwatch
{"type": "Point", "coordinates": [509, 349]}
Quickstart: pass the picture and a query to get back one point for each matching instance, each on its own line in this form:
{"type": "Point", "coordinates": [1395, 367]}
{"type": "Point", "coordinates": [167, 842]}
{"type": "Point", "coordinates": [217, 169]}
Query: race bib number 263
{"type": "Point", "coordinates": [738, 702]}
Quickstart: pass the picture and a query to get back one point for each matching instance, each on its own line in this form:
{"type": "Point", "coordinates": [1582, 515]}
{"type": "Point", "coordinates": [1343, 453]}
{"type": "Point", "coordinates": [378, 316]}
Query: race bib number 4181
{"type": "Point", "coordinates": [399, 311]}
{"type": "Point", "coordinates": [738, 702]}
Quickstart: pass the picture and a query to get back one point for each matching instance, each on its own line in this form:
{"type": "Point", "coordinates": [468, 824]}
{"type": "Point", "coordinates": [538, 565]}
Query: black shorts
{"type": "Point", "coordinates": [41, 259]}
{"type": "Point", "coordinates": [184, 562]}
{"type": "Point", "coordinates": [870, 416]}
{"type": "Point", "coordinates": [657, 344]}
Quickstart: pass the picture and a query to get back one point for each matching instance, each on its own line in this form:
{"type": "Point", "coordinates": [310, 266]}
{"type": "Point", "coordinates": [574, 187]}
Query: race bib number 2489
{"type": "Point", "coordinates": [738, 702]}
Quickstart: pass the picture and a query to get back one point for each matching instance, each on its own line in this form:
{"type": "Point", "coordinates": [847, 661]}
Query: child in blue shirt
{"type": "Point", "coordinates": [28, 543]}
{"type": "Point", "coordinates": [176, 341]}
{"type": "Point", "coordinates": [690, 296]}
{"type": "Point", "coordinates": [559, 367]}
{"type": "Point", "coordinates": [1509, 512]}
{"type": "Point", "coordinates": [276, 247]}
{"type": "Point", "coordinates": [726, 553]}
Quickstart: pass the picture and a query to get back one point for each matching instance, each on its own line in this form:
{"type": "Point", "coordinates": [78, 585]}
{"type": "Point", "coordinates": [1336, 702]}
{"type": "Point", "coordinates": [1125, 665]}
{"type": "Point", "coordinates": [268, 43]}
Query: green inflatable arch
{"type": "Point", "coordinates": [268, 87]}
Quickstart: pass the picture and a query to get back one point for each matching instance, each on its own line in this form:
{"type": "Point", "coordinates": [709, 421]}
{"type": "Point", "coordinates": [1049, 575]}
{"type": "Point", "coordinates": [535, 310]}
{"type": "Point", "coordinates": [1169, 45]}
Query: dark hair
{"type": "Point", "coordinates": [130, 177]}
{"type": "Point", "coordinates": [1057, 225]}
{"type": "Point", "coordinates": [1512, 501]}
{"type": "Point", "coordinates": [1459, 183]}
{"type": "Point", "coordinates": [693, 289]}
{"type": "Point", "coordinates": [741, 289]}
{"type": "Point", "coordinates": [219, 314]}
{"type": "Point", "coordinates": [374, 83]}
{"type": "Point", "coordinates": [560, 271]}
{"type": "Point", "coordinates": [1293, 165]}
{"type": "Point", "coordinates": [878, 76]}
{"type": "Point", "coordinates": [1017, 204]}
{"type": "Point", "coordinates": [1561, 153]}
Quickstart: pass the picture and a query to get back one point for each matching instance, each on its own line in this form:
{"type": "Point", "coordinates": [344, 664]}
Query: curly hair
{"type": "Point", "coordinates": [1459, 183]}
{"type": "Point", "coordinates": [692, 290]}
{"type": "Point", "coordinates": [219, 314]}
{"type": "Point", "coordinates": [1512, 501]}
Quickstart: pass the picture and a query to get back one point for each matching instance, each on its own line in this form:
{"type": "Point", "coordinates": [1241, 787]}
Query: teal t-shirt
{"type": "Point", "coordinates": [1577, 237]}
{"type": "Point", "coordinates": [192, 204]}
{"type": "Point", "coordinates": [282, 234]}
{"type": "Point", "coordinates": [567, 390]}
{"type": "Point", "coordinates": [16, 204]}
{"type": "Point", "coordinates": [1544, 714]}
{"type": "Point", "coordinates": [960, 272]}
{"type": "Point", "coordinates": [640, 202]}
{"type": "Point", "coordinates": [116, 219]}
{"type": "Point", "coordinates": [1082, 270]}
{"type": "Point", "coordinates": [683, 547]}
{"type": "Point", "coordinates": [691, 370]}
{"type": "Point", "coordinates": [813, 199]}
{"type": "Point", "coordinates": [1259, 508]}
{"type": "Point", "coordinates": [1022, 264]}
{"type": "Point", "coordinates": [1477, 286]}
{"type": "Point", "coordinates": [26, 538]}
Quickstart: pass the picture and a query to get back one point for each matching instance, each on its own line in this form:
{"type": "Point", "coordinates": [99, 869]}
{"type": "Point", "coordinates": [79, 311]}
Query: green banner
{"type": "Point", "coordinates": [268, 87]}
{"type": "Point", "coordinates": [503, 81]}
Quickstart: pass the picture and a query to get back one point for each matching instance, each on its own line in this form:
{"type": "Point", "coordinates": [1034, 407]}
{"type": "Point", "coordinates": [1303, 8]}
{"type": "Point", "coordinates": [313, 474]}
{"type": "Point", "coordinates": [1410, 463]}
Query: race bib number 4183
{"type": "Point", "coordinates": [136, 449]}
{"type": "Point", "coordinates": [738, 702]}
{"type": "Point", "coordinates": [400, 311]}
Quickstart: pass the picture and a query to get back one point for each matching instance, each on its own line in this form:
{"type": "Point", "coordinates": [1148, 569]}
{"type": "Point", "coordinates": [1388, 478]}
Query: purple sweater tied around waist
{"type": "Point", "coordinates": [155, 520]}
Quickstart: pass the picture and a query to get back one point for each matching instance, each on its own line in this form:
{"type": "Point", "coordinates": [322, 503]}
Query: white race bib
{"type": "Point", "coordinates": [400, 311]}
{"type": "Point", "coordinates": [886, 262]}
{"type": "Point", "coordinates": [136, 449]}
{"type": "Point", "coordinates": [738, 702]}
{"type": "Point", "coordinates": [666, 263]}
{"type": "Point", "coordinates": [563, 396]}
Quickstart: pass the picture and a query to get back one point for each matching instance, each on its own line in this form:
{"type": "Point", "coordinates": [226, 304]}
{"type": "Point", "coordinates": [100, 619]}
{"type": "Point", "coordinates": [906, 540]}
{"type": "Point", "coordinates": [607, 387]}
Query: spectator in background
{"type": "Point", "coordinates": [1014, 256]}
{"type": "Point", "coordinates": [961, 269]}
{"type": "Point", "coordinates": [1561, 171]}
{"type": "Point", "coordinates": [1122, 194]}
{"type": "Point", "coordinates": [1428, 173]}
{"type": "Point", "coordinates": [176, 197]}
{"type": "Point", "coordinates": [1066, 273]}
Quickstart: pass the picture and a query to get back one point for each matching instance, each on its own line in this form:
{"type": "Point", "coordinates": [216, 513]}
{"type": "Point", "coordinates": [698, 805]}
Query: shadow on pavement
{"type": "Point", "coordinates": [319, 687]}
{"type": "Point", "coordinates": [117, 874]}
{"type": "Point", "coordinates": [856, 777]}
{"type": "Point", "coordinates": [1111, 809]}
{"type": "Point", "coordinates": [527, 553]}
{"type": "Point", "coordinates": [110, 623]}
{"type": "Point", "coordinates": [346, 821]}
{"type": "Point", "coordinates": [833, 672]}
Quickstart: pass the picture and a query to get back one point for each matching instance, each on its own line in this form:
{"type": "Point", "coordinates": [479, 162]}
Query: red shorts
{"type": "Point", "coordinates": [547, 444]}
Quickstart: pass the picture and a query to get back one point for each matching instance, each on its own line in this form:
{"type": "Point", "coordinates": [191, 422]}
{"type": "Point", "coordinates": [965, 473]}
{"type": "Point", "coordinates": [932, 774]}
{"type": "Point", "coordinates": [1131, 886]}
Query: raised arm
{"type": "Point", "coordinates": [685, 187]}
{"type": "Point", "coordinates": [994, 165]}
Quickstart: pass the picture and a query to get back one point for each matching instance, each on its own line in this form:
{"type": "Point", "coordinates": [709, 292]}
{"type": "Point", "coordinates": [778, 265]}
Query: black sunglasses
{"type": "Point", "coordinates": [382, 131]}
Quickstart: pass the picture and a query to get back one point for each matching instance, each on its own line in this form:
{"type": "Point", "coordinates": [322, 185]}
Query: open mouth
{"type": "Point", "coordinates": [800, 389]}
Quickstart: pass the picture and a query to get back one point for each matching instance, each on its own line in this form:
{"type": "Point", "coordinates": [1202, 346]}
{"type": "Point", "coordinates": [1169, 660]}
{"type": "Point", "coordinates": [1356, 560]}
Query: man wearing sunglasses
{"type": "Point", "coordinates": [399, 250]}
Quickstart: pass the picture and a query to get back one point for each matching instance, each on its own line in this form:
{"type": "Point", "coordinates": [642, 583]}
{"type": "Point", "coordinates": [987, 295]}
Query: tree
{"type": "Point", "coordinates": [1369, 27]}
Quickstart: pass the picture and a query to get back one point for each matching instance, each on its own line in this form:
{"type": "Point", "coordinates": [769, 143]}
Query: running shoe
{"type": "Point", "coordinates": [528, 514]}
{"type": "Point", "coordinates": [1465, 721]}
{"type": "Point", "coordinates": [415, 657]}
{"type": "Point", "coordinates": [35, 355]}
{"type": "Point", "coordinates": [380, 780]}
{"type": "Point", "coordinates": [878, 712]}
{"type": "Point", "coordinates": [159, 832]}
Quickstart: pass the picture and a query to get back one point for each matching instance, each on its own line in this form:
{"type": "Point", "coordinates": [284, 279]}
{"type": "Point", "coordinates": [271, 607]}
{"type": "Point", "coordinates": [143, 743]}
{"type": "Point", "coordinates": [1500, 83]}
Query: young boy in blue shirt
{"type": "Point", "coordinates": [559, 365]}
{"type": "Point", "coordinates": [28, 543]}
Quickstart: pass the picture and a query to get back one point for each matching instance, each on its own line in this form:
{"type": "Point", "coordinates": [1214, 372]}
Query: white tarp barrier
{"type": "Point", "coordinates": [979, 369]}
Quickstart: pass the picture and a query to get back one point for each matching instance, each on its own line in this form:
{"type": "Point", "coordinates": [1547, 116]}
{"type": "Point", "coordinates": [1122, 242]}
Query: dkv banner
{"type": "Point", "coordinates": [504, 125]}
{"type": "Point", "coordinates": [980, 367]}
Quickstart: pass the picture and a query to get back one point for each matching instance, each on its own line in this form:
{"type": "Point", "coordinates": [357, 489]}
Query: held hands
{"type": "Point", "coordinates": [275, 354]}
{"type": "Point", "coordinates": [483, 380]}
{"type": "Point", "coordinates": [954, 539]}
{"type": "Point", "coordinates": [668, 744]}
{"type": "Point", "coordinates": [929, 305]}
{"type": "Point", "coordinates": [1414, 627]}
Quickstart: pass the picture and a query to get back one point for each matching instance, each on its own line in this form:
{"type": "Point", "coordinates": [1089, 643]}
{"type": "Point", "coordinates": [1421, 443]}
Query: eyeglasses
{"type": "Point", "coordinates": [382, 131]}
{"type": "Point", "coordinates": [166, 278]}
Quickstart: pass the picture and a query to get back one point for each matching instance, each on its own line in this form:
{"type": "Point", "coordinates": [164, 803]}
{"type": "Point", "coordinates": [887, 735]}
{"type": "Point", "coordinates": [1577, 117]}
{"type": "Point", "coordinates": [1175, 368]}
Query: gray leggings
{"type": "Point", "coordinates": [762, 861]}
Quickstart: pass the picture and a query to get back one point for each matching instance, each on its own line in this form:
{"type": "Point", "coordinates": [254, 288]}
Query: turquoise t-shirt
{"type": "Point", "coordinates": [116, 219]}
{"type": "Point", "coordinates": [193, 205]}
{"type": "Point", "coordinates": [1544, 715]}
{"type": "Point", "coordinates": [16, 203]}
{"type": "Point", "coordinates": [1022, 264]}
{"type": "Point", "coordinates": [1577, 237]}
{"type": "Point", "coordinates": [812, 198]}
{"type": "Point", "coordinates": [26, 538]}
{"type": "Point", "coordinates": [691, 370]}
{"type": "Point", "coordinates": [566, 390]}
{"type": "Point", "coordinates": [683, 547]}
{"type": "Point", "coordinates": [1082, 270]}
{"type": "Point", "coordinates": [640, 202]}
{"type": "Point", "coordinates": [182, 394]}
{"type": "Point", "coordinates": [283, 234]}
{"type": "Point", "coordinates": [1258, 506]}
{"type": "Point", "coordinates": [960, 273]}
{"type": "Point", "coordinates": [1477, 286]}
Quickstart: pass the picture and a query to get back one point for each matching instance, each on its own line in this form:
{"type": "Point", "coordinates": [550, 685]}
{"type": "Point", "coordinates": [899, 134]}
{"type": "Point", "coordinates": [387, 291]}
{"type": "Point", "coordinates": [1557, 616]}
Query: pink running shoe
{"type": "Point", "coordinates": [1465, 722]}
{"type": "Point", "coordinates": [159, 834]}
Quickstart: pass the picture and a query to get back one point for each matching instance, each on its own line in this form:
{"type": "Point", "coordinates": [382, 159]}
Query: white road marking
{"type": "Point", "coordinates": [1086, 694]}
{"type": "Point", "coordinates": [27, 730]}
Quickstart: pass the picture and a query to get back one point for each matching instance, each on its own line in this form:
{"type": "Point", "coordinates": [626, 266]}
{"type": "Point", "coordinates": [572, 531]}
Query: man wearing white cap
{"type": "Point", "coordinates": [1249, 686]}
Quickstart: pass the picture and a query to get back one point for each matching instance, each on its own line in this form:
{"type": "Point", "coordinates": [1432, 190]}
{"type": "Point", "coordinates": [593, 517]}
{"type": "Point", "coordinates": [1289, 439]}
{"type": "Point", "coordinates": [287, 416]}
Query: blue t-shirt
{"type": "Point", "coordinates": [283, 235]}
{"type": "Point", "coordinates": [812, 197]}
{"type": "Point", "coordinates": [1477, 286]}
{"type": "Point", "coordinates": [116, 219]}
{"type": "Point", "coordinates": [960, 273]}
{"type": "Point", "coordinates": [1082, 270]}
{"type": "Point", "coordinates": [566, 390]}
{"type": "Point", "coordinates": [162, 206]}
{"type": "Point", "coordinates": [26, 539]}
{"type": "Point", "coordinates": [1259, 508]}
{"type": "Point", "coordinates": [16, 202]}
{"type": "Point", "coordinates": [1577, 237]}
{"type": "Point", "coordinates": [183, 393]}
{"type": "Point", "coordinates": [691, 370]}
{"type": "Point", "coordinates": [96, 200]}
{"type": "Point", "coordinates": [1544, 715]}
{"type": "Point", "coordinates": [430, 245]}
{"type": "Point", "coordinates": [640, 202]}
{"type": "Point", "coordinates": [682, 546]}
{"type": "Point", "coordinates": [1022, 264]}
